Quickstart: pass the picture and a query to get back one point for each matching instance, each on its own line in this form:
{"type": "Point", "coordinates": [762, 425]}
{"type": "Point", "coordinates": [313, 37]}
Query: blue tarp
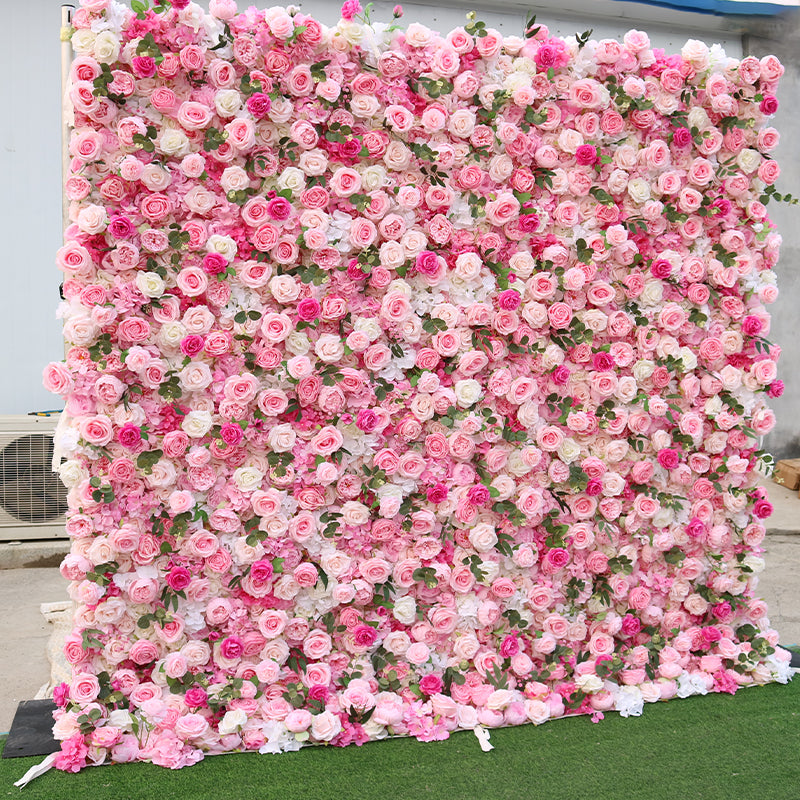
{"type": "Point", "coordinates": [748, 8]}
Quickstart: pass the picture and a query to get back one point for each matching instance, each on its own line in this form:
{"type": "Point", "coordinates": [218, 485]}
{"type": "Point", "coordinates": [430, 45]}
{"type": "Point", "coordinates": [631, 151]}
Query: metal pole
{"type": "Point", "coordinates": [66, 64]}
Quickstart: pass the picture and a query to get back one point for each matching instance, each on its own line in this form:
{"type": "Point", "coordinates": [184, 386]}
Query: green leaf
{"type": "Point", "coordinates": [602, 196]}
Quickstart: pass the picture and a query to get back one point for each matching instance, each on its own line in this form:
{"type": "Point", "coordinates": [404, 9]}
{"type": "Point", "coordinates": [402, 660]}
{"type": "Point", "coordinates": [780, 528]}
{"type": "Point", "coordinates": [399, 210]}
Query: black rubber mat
{"type": "Point", "coordinates": [32, 730]}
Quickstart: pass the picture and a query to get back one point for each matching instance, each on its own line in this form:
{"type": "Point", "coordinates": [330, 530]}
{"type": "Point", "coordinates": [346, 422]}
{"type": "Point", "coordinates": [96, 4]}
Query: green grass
{"type": "Point", "coordinates": [710, 748]}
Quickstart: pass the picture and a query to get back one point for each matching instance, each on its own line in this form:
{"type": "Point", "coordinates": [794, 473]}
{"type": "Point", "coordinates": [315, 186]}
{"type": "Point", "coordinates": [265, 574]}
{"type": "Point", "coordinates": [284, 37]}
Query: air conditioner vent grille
{"type": "Point", "coordinates": [30, 492]}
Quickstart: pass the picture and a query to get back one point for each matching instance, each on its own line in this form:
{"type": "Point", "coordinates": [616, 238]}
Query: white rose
{"type": "Point", "coordinates": [505, 485]}
{"type": "Point", "coordinates": [748, 160]}
{"type": "Point", "coordinates": [483, 537]}
{"type": "Point", "coordinates": [392, 254]}
{"type": "Point", "coordinates": [83, 42]}
{"type": "Point", "coordinates": [170, 335]}
{"type": "Point", "coordinates": [325, 726]}
{"type": "Point", "coordinates": [418, 35]}
{"type": "Point", "coordinates": [292, 178]}
{"type": "Point", "coordinates": [174, 142]}
{"type": "Point", "coordinates": [284, 288]}
{"type": "Point", "coordinates": [373, 177]}
{"type": "Point", "coordinates": [232, 721]}
{"type": "Point", "coordinates": [120, 718]}
{"type": "Point", "coordinates": [643, 369]}
{"type": "Point", "coordinates": [516, 464]}
{"type": "Point", "coordinates": [618, 181]}
{"type": "Point", "coordinates": [570, 140]}
{"type": "Point", "coordinates": [595, 320]}
{"type": "Point", "coordinates": [698, 118]}
{"type": "Point", "coordinates": [528, 414]}
{"type": "Point", "coordinates": [150, 284]}
{"type": "Point", "coordinates": [223, 245]}
{"type": "Point", "coordinates": [518, 79]}
{"type": "Point", "coordinates": [397, 156]}
{"type": "Point", "coordinates": [227, 102]}
{"type": "Point", "coordinates": [522, 264]}
{"type": "Point", "coordinates": [247, 479]}
{"type": "Point", "coordinates": [162, 474]}
{"type": "Point", "coordinates": [106, 47]}
{"type": "Point", "coordinates": [72, 473]}
{"type": "Point", "coordinates": [281, 110]}
{"type": "Point", "coordinates": [234, 179]}
{"type": "Point", "coordinates": [468, 392]}
{"type": "Point", "coordinates": [552, 356]}
{"type": "Point", "coordinates": [639, 190]}
{"type": "Point", "coordinates": [282, 437]}
{"type": "Point", "coordinates": [589, 683]}
{"type": "Point", "coordinates": [354, 513]}
{"type": "Point", "coordinates": [732, 342]}
{"type": "Point", "coordinates": [192, 16]}
{"type": "Point", "coordinates": [195, 376]}
{"type": "Point", "coordinates": [499, 699]}
{"type": "Point", "coordinates": [730, 377]}
{"type": "Point", "coordinates": [351, 32]}
{"type": "Point", "coordinates": [80, 329]}
{"type": "Point", "coordinates": [405, 610]}
{"type": "Point", "coordinates": [199, 200]}
{"type": "Point", "coordinates": [537, 711]}
{"type": "Point", "coordinates": [468, 266]}
{"type": "Point", "coordinates": [696, 53]}
{"type": "Point", "coordinates": [369, 326]}
{"type": "Point", "coordinates": [298, 343]}
{"type": "Point", "coordinates": [329, 348]}
{"type": "Point", "coordinates": [335, 563]}
{"type": "Point", "coordinates": [713, 406]}
{"type": "Point", "coordinates": [196, 424]}
{"type": "Point", "coordinates": [652, 293]}
{"type": "Point", "coordinates": [569, 450]}
{"type": "Point", "coordinates": [313, 162]}
{"type": "Point", "coordinates": [462, 123]}
{"type": "Point", "coordinates": [285, 588]}
{"type": "Point", "coordinates": [92, 219]}
{"type": "Point", "coordinates": [754, 563]}
{"type": "Point", "coordinates": [689, 358]}
{"type": "Point", "coordinates": [500, 168]}
{"type": "Point", "coordinates": [397, 642]}
{"type": "Point", "coordinates": [664, 518]}
{"type": "Point", "coordinates": [364, 105]}
{"type": "Point", "coordinates": [626, 389]}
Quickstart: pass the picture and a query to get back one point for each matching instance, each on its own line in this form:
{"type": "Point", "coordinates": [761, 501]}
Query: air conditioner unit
{"type": "Point", "coordinates": [33, 500]}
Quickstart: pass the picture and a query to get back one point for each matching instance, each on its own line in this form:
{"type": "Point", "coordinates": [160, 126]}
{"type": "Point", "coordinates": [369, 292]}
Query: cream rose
{"type": "Point", "coordinates": [196, 424]}
{"type": "Point", "coordinates": [483, 537]}
{"type": "Point", "coordinates": [468, 392]}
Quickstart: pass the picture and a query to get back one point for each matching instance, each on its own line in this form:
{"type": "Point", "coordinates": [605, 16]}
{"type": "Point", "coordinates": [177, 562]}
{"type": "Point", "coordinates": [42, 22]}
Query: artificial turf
{"type": "Point", "coordinates": [709, 748]}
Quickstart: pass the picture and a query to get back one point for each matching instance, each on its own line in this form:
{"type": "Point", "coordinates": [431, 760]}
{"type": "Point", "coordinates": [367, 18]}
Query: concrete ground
{"type": "Point", "coordinates": [24, 631]}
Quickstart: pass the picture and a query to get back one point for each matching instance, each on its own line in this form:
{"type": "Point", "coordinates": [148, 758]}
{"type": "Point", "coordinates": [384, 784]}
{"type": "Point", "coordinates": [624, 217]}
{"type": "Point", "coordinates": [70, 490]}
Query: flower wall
{"type": "Point", "coordinates": [414, 382]}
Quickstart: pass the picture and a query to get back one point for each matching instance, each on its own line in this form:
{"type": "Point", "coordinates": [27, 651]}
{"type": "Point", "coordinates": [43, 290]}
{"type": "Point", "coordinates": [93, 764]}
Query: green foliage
{"type": "Point", "coordinates": [213, 139]}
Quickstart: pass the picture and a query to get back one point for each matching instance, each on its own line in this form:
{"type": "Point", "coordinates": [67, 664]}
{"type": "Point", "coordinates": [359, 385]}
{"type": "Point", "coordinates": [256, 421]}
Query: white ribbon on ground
{"type": "Point", "coordinates": [36, 770]}
{"type": "Point", "coordinates": [483, 738]}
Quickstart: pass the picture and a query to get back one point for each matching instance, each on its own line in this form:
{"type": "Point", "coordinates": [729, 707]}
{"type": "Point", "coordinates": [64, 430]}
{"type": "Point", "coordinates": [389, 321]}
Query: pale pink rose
{"type": "Point", "coordinates": [345, 182]}
{"type": "Point", "coordinates": [317, 645]}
